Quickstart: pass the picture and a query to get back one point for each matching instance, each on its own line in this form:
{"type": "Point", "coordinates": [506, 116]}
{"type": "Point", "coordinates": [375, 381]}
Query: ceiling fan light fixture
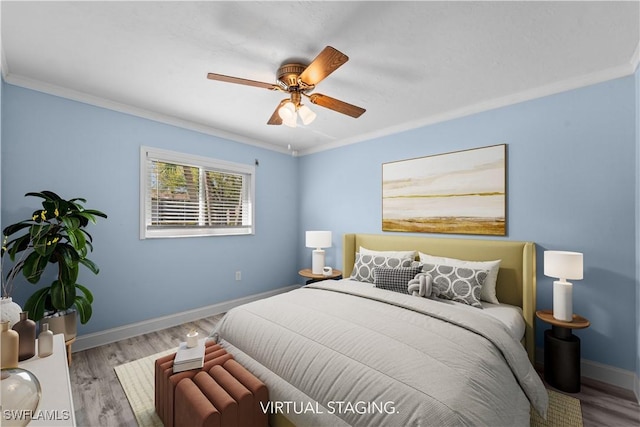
{"type": "Point", "coordinates": [287, 111]}
{"type": "Point", "coordinates": [306, 114]}
{"type": "Point", "coordinates": [291, 121]}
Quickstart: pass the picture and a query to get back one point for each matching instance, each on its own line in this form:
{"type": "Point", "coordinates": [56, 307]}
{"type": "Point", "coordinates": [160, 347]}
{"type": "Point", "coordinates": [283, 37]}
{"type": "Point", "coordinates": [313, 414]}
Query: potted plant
{"type": "Point", "coordinates": [54, 235]}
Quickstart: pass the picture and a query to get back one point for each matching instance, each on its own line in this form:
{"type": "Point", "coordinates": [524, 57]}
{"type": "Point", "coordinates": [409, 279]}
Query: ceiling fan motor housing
{"type": "Point", "coordinates": [288, 75]}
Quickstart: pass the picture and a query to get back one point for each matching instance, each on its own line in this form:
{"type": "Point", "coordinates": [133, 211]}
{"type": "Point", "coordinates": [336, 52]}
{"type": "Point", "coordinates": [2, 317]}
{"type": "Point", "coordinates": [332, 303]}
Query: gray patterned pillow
{"type": "Point", "coordinates": [488, 292]}
{"type": "Point", "coordinates": [364, 265]}
{"type": "Point", "coordinates": [459, 284]}
{"type": "Point", "coordinates": [394, 279]}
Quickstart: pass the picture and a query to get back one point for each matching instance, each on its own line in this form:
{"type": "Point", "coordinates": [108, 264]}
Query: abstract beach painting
{"type": "Point", "coordinates": [462, 192]}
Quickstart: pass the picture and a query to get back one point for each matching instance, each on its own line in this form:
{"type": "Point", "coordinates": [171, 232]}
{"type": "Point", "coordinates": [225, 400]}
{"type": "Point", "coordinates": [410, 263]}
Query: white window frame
{"type": "Point", "coordinates": [196, 161]}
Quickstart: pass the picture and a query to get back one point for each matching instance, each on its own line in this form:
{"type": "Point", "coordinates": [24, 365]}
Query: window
{"type": "Point", "coordinates": [184, 195]}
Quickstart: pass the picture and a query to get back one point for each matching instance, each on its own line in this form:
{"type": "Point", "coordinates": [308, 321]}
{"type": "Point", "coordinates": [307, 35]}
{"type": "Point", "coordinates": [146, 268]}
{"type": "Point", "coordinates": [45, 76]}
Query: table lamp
{"type": "Point", "coordinates": [318, 240]}
{"type": "Point", "coordinates": [563, 265]}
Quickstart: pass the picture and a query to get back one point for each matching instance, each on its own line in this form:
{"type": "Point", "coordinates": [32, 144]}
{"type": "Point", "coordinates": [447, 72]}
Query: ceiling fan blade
{"type": "Point", "coordinates": [237, 80]}
{"type": "Point", "coordinates": [324, 64]}
{"type": "Point", "coordinates": [336, 105]}
{"type": "Point", "coordinates": [275, 118]}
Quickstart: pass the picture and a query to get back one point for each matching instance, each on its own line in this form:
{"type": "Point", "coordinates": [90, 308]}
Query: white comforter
{"type": "Point", "coordinates": [344, 353]}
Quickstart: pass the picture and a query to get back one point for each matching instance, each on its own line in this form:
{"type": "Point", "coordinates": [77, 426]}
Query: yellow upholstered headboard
{"type": "Point", "coordinates": [516, 283]}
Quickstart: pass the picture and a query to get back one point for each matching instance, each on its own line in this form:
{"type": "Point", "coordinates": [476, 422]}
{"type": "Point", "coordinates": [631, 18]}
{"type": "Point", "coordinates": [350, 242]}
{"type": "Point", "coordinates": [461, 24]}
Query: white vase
{"type": "Point", "coordinates": [9, 311]}
{"type": "Point", "coordinates": [45, 341]}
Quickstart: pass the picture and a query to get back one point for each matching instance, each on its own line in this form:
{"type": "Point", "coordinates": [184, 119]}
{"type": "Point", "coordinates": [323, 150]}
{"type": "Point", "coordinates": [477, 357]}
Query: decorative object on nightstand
{"type": "Point", "coordinates": [9, 346]}
{"type": "Point", "coordinates": [21, 392]}
{"type": "Point", "coordinates": [26, 329]}
{"type": "Point", "coordinates": [562, 351]}
{"type": "Point", "coordinates": [563, 265]}
{"type": "Point", "coordinates": [308, 273]}
{"type": "Point", "coordinates": [318, 240]}
{"type": "Point", "coordinates": [53, 375]}
{"type": "Point", "coordinates": [45, 341]}
{"type": "Point", "coordinates": [9, 310]}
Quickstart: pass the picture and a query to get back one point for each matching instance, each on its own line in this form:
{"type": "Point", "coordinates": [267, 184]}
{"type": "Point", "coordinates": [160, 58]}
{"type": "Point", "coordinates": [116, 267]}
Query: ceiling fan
{"type": "Point", "coordinates": [300, 80]}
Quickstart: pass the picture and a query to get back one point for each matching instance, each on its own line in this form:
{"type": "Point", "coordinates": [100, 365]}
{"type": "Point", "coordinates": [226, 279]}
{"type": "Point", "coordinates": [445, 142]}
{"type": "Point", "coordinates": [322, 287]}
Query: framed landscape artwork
{"type": "Point", "coordinates": [463, 192]}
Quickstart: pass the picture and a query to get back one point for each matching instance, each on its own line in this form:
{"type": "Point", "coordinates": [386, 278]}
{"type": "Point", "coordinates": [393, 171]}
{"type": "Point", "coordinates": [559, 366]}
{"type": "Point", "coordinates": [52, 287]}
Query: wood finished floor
{"type": "Point", "coordinates": [98, 397]}
{"type": "Point", "coordinates": [100, 401]}
{"type": "Point", "coordinates": [606, 405]}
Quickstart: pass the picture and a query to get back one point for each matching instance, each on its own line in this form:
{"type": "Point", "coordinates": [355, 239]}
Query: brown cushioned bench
{"type": "Point", "coordinates": [221, 393]}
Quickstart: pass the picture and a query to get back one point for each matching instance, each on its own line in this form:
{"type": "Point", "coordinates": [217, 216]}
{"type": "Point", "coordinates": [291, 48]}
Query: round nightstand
{"type": "Point", "coordinates": [336, 274]}
{"type": "Point", "coordinates": [562, 351]}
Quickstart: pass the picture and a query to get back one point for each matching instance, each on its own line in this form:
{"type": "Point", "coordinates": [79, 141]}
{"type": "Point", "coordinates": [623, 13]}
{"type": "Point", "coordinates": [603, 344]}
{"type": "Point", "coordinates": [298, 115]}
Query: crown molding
{"type": "Point", "coordinates": [540, 92]}
{"type": "Point", "coordinates": [635, 58]}
{"type": "Point", "coordinates": [492, 104]}
{"type": "Point", "coordinates": [4, 67]}
{"type": "Point", "coordinates": [108, 104]}
{"type": "Point", "coordinates": [3, 64]}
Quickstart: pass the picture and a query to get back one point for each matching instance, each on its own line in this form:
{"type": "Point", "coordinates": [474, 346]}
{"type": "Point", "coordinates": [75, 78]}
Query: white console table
{"type": "Point", "coordinates": [56, 403]}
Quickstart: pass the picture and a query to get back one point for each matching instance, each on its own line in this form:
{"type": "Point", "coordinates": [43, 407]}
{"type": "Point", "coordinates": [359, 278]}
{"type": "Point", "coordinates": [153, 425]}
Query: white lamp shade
{"type": "Point", "coordinates": [563, 265]}
{"type": "Point", "coordinates": [291, 121]}
{"type": "Point", "coordinates": [318, 239]}
{"type": "Point", "coordinates": [287, 111]}
{"type": "Point", "coordinates": [306, 114]}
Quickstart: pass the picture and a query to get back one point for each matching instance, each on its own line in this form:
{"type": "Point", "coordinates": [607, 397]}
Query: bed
{"type": "Point", "coordinates": [346, 352]}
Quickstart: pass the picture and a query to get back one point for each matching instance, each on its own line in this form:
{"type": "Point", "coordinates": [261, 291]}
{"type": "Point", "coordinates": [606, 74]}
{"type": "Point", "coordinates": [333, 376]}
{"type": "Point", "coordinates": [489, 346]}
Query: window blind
{"type": "Point", "coordinates": [193, 196]}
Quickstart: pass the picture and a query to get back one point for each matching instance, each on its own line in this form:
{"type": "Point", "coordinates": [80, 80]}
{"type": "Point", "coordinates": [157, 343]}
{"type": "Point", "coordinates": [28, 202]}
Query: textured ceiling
{"type": "Point", "coordinates": [411, 63]}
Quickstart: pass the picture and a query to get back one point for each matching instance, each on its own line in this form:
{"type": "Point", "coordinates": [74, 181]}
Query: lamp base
{"type": "Point", "coordinates": [563, 301]}
{"type": "Point", "coordinates": [317, 261]}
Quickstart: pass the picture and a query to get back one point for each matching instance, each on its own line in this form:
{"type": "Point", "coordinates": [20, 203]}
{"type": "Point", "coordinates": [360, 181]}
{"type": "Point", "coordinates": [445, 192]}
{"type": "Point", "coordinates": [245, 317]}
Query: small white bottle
{"type": "Point", "coordinates": [45, 341]}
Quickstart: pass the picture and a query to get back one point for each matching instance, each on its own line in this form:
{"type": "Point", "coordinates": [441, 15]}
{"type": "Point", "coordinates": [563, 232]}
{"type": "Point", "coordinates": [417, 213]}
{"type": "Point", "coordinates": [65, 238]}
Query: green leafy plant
{"type": "Point", "coordinates": [54, 235]}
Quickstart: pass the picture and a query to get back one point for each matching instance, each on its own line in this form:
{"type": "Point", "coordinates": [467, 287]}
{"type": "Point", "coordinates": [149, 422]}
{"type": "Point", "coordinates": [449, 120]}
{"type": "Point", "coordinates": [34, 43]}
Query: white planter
{"type": "Point", "coordinates": [9, 311]}
{"type": "Point", "coordinates": [65, 324]}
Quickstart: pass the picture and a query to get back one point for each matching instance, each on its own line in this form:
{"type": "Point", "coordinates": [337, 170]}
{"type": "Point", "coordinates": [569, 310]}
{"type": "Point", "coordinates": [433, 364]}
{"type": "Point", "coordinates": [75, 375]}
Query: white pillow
{"type": "Point", "coordinates": [488, 291]}
{"type": "Point", "coordinates": [389, 254]}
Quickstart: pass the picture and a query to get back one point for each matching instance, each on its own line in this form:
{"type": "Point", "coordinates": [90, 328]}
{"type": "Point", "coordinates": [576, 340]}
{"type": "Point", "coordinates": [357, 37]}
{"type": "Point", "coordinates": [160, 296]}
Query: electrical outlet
{"type": "Point", "coordinates": [238, 275]}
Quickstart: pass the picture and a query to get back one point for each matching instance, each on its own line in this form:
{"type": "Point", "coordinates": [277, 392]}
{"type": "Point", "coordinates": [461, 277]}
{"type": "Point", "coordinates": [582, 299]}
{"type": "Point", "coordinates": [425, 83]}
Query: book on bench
{"type": "Point", "coordinates": [189, 358]}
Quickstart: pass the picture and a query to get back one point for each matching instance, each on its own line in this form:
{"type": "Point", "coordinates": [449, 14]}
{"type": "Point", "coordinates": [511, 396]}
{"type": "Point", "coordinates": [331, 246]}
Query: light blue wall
{"type": "Point", "coordinates": [571, 172]}
{"type": "Point", "coordinates": [84, 151]}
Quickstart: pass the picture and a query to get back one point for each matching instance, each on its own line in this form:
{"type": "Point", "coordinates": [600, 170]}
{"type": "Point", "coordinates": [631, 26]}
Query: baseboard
{"type": "Point", "coordinates": [636, 387]}
{"type": "Point", "coordinates": [96, 339]}
{"type": "Point", "coordinates": [601, 372]}
{"type": "Point", "coordinates": [608, 374]}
